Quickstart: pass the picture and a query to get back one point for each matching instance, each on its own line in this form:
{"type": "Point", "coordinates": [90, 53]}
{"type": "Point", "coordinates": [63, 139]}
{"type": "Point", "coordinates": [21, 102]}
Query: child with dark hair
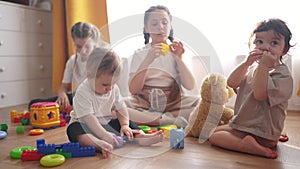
{"type": "Point", "coordinates": [264, 85]}
{"type": "Point", "coordinates": [157, 75]}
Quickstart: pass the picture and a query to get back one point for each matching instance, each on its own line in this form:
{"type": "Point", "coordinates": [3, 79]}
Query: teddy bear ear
{"type": "Point", "coordinates": [213, 79]}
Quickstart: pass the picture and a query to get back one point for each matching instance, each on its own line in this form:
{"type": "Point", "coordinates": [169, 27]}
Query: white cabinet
{"type": "Point", "coordinates": [25, 54]}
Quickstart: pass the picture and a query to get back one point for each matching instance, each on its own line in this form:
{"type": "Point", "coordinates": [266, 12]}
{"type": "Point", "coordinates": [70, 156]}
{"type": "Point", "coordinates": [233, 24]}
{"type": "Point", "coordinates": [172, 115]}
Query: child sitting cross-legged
{"type": "Point", "coordinates": [92, 123]}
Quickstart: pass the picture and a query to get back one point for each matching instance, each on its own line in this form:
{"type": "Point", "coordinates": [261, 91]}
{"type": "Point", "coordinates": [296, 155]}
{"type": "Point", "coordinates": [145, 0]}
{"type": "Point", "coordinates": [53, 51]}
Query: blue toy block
{"type": "Point", "coordinates": [77, 151]}
{"type": "Point", "coordinates": [40, 141]}
{"type": "Point", "coordinates": [177, 138]}
{"type": "Point", "coordinates": [46, 148]}
{"type": "Point", "coordinates": [67, 149]}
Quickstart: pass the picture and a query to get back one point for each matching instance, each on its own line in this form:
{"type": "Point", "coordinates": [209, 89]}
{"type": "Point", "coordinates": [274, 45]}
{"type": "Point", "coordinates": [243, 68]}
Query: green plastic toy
{"type": "Point", "coordinates": [145, 129]}
{"type": "Point", "coordinates": [16, 152]}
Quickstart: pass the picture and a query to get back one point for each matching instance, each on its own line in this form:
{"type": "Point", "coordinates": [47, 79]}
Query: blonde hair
{"type": "Point", "coordinates": [103, 60]}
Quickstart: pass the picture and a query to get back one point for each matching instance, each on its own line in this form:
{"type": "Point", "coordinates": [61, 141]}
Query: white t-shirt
{"type": "Point", "coordinates": [86, 102]}
{"type": "Point", "coordinates": [162, 70]}
{"type": "Point", "coordinates": [70, 75]}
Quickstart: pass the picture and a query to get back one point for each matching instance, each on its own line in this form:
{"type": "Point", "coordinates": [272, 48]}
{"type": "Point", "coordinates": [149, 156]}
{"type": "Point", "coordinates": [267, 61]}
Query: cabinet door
{"type": "Point", "coordinates": [21, 92]}
{"type": "Point", "coordinates": [22, 68]}
{"type": "Point", "coordinates": [37, 21]}
{"type": "Point", "coordinates": [24, 44]}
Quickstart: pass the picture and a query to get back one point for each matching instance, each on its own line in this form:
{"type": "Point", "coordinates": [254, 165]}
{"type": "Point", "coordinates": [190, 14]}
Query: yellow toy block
{"type": "Point", "coordinates": [13, 114]}
{"type": "Point", "coordinates": [166, 129]}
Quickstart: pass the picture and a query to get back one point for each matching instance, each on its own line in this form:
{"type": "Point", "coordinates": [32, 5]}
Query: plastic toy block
{"type": "Point", "coordinates": [77, 151]}
{"type": "Point", "coordinates": [177, 138]}
{"type": "Point", "coordinates": [31, 155]}
{"type": "Point", "coordinates": [25, 121]}
{"type": "Point", "coordinates": [66, 155]}
{"type": "Point", "coordinates": [13, 114]}
{"type": "Point", "coordinates": [17, 119]}
{"type": "Point", "coordinates": [63, 122]}
{"type": "Point", "coordinates": [20, 129]}
{"type": "Point", "coordinates": [145, 129]}
{"type": "Point", "coordinates": [4, 127]}
{"type": "Point", "coordinates": [27, 116]}
{"type": "Point", "coordinates": [167, 127]}
{"type": "Point", "coordinates": [40, 141]}
{"type": "Point", "coordinates": [46, 148]}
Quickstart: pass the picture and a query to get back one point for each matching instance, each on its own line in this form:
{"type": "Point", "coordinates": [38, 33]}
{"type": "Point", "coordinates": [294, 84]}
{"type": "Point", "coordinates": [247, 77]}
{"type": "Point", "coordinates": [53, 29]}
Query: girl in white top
{"type": "Point", "coordinates": [92, 122]}
{"type": "Point", "coordinates": [157, 78]}
{"type": "Point", "coordinates": [85, 37]}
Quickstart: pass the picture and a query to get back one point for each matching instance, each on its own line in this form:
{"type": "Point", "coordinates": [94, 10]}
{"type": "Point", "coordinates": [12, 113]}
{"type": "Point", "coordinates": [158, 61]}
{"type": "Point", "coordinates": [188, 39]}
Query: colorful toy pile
{"type": "Point", "coordinates": [51, 155]}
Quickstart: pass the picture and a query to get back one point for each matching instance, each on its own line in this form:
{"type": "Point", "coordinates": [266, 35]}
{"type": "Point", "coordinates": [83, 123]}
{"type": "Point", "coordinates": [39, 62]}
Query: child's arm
{"type": "Point", "coordinates": [93, 124]}
{"type": "Point", "coordinates": [137, 80]}
{"type": "Point", "coordinates": [186, 77]}
{"type": "Point", "coordinates": [62, 99]}
{"type": "Point", "coordinates": [237, 75]}
{"type": "Point", "coordinates": [235, 78]}
{"type": "Point", "coordinates": [123, 118]}
{"type": "Point", "coordinates": [260, 82]}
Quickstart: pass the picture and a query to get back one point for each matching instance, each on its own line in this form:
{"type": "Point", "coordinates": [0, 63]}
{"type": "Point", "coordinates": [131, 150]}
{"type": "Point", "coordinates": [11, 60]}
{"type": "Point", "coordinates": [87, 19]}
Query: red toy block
{"type": "Point", "coordinates": [63, 122]}
{"type": "Point", "coordinates": [17, 119]}
{"type": "Point", "coordinates": [31, 155]}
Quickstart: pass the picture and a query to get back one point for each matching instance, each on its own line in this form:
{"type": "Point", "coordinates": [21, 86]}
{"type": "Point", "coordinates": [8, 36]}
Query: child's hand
{"type": "Point", "coordinates": [126, 130]}
{"type": "Point", "coordinates": [154, 52]}
{"type": "Point", "coordinates": [106, 149]}
{"type": "Point", "coordinates": [254, 56]}
{"type": "Point", "coordinates": [63, 101]}
{"type": "Point", "coordinates": [177, 49]}
{"type": "Point", "coordinates": [111, 139]}
{"type": "Point", "coordinates": [268, 59]}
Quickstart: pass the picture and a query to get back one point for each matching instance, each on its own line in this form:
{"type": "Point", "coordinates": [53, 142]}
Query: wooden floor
{"type": "Point", "coordinates": [194, 155]}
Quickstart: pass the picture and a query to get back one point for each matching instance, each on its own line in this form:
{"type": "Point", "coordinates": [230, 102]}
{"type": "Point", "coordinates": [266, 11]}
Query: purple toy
{"type": "Point", "coordinates": [120, 141]}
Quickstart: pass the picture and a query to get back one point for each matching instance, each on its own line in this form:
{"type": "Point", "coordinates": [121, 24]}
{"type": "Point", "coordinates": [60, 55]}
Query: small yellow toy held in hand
{"type": "Point", "coordinates": [165, 49]}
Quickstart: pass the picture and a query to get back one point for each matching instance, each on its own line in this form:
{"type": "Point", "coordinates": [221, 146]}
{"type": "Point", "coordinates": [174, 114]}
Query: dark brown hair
{"type": "Point", "coordinates": [279, 27]}
{"type": "Point", "coordinates": [146, 18]}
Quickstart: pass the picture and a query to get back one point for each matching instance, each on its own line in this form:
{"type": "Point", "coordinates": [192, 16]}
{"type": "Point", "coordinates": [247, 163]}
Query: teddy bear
{"type": "Point", "coordinates": [210, 111]}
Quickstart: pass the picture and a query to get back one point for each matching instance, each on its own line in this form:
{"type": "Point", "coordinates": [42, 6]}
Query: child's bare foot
{"type": "Point", "coordinates": [148, 139]}
{"type": "Point", "coordinates": [283, 137]}
{"type": "Point", "coordinates": [250, 145]}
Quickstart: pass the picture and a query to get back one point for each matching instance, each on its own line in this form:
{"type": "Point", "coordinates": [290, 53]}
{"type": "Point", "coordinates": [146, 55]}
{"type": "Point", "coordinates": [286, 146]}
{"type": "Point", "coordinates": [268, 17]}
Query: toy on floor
{"type": "Point", "coordinates": [17, 152]}
{"type": "Point", "coordinates": [45, 115]}
{"type": "Point", "coordinates": [4, 127]}
{"type": "Point", "coordinates": [210, 112]}
{"type": "Point", "coordinates": [20, 129]}
{"type": "Point", "coordinates": [3, 134]}
{"type": "Point", "coordinates": [73, 148]}
{"type": "Point", "coordinates": [145, 129]}
{"type": "Point", "coordinates": [35, 132]}
{"type": "Point", "coordinates": [52, 160]}
{"type": "Point", "coordinates": [166, 129]}
{"type": "Point", "coordinates": [51, 155]}
{"type": "Point", "coordinates": [177, 138]}
{"type": "Point", "coordinates": [23, 117]}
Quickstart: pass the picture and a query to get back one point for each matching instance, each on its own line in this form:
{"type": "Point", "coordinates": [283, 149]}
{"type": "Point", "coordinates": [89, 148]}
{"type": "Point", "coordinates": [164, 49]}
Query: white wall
{"type": "Point", "coordinates": [222, 29]}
